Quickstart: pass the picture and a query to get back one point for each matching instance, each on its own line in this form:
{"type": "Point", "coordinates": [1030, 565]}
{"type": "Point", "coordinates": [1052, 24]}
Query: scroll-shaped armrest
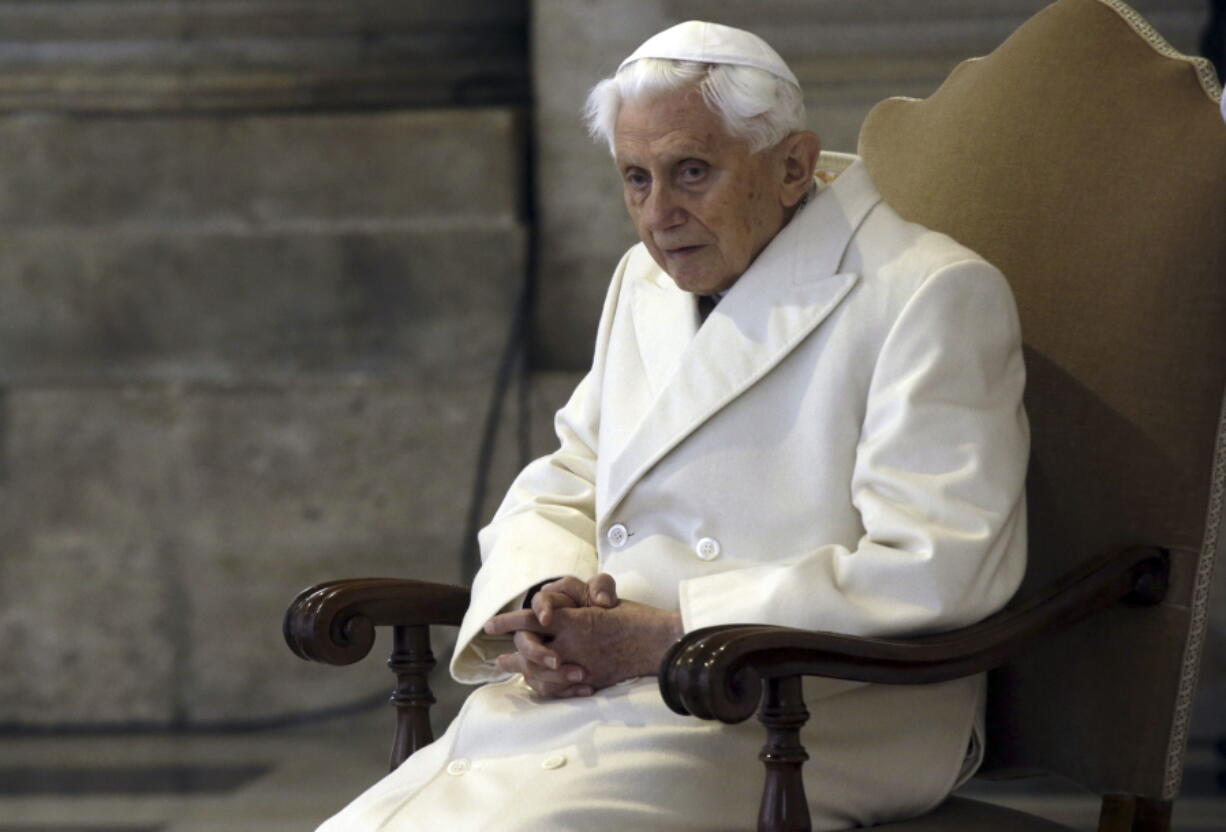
{"type": "Point", "coordinates": [721, 672]}
{"type": "Point", "coordinates": [335, 622]}
{"type": "Point", "coordinates": [717, 672]}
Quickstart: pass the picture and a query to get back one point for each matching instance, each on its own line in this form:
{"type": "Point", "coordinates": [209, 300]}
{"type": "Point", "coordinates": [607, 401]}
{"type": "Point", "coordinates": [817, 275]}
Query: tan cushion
{"type": "Point", "coordinates": [1088, 162]}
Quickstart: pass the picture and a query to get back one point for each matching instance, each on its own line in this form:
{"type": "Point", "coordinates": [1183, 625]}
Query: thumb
{"type": "Point", "coordinates": [602, 589]}
{"type": "Point", "coordinates": [542, 605]}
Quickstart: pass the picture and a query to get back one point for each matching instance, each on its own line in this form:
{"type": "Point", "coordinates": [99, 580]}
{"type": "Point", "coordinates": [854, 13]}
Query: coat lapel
{"type": "Point", "coordinates": [665, 321]}
{"type": "Point", "coordinates": [790, 288]}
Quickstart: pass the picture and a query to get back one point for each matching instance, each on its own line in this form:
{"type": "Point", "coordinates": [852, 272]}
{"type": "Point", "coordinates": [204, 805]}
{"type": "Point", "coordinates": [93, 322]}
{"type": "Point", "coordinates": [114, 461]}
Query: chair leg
{"type": "Point", "coordinates": [784, 807]}
{"type": "Point", "coordinates": [1152, 816]}
{"type": "Point", "coordinates": [411, 661]}
{"type": "Point", "coordinates": [1117, 813]}
{"type": "Point", "coordinates": [1125, 813]}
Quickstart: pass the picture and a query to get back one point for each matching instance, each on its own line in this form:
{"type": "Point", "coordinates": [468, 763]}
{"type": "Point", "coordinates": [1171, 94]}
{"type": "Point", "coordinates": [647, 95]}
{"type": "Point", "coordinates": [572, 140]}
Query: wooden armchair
{"type": "Point", "coordinates": [1087, 160]}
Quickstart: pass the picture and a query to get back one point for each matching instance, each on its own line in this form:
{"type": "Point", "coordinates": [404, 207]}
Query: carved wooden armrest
{"type": "Point", "coordinates": [334, 623]}
{"type": "Point", "coordinates": [721, 672]}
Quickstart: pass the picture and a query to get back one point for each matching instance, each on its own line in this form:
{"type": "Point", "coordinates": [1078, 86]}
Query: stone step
{"type": "Point", "coordinates": [486, 79]}
{"type": "Point", "coordinates": [260, 170]}
{"type": "Point", "coordinates": [154, 535]}
{"type": "Point", "coordinates": [64, 20]}
{"type": "Point", "coordinates": [84, 306]}
{"type": "Point", "coordinates": [134, 55]}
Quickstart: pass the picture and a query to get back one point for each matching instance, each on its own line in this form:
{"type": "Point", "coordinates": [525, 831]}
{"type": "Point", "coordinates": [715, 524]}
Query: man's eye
{"type": "Point", "coordinates": [693, 172]}
{"type": "Point", "coordinates": [636, 180]}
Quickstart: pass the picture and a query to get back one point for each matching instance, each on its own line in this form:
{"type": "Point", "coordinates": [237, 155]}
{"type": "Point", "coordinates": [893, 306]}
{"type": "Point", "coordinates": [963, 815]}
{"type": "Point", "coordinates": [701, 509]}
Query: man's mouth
{"type": "Point", "coordinates": [681, 251]}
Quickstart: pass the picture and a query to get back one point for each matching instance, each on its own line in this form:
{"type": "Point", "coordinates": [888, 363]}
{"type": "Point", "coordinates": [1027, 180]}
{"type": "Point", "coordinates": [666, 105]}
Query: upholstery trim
{"type": "Point", "coordinates": [1214, 545]}
{"type": "Point", "coordinates": [836, 162]}
{"type": "Point", "coordinates": [1204, 70]}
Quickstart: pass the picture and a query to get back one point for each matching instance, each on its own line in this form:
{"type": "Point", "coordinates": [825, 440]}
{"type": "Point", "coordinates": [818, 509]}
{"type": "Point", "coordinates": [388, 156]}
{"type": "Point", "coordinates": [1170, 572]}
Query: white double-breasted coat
{"type": "Point", "coordinates": [840, 446]}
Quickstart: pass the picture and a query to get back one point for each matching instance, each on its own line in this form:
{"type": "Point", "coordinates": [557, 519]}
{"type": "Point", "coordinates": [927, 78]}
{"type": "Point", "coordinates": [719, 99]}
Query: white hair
{"type": "Point", "coordinates": [754, 105]}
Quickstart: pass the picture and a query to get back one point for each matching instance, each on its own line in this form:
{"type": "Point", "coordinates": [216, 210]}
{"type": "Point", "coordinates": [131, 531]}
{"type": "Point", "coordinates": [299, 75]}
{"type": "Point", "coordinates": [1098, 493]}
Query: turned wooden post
{"type": "Point", "coordinates": [1152, 815]}
{"type": "Point", "coordinates": [784, 806]}
{"type": "Point", "coordinates": [1116, 813]}
{"type": "Point", "coordinates": [411, 661]}
{"type": "Point", "coordinates": [1128, 813]}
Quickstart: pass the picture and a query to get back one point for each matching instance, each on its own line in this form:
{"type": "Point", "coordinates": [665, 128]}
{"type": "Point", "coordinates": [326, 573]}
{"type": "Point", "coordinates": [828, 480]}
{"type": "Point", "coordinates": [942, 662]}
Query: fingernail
{"type": "Point", "coordinates": [489, 627]}
{"type": "Point", "coordinates": [551, 662]}
{"type": "Point", "coordinates": [584, 691]}
{"type": "Point", "coordinates": [604, 599]}
{"type": "Point", "coordinates": [575, 676]}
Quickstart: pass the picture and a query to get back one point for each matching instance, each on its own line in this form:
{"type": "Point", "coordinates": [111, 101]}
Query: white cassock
{"type": "Point", "coordinates": [840, 446]}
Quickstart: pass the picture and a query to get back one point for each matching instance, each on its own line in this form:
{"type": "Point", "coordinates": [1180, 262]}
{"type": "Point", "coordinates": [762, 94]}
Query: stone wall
{"type": "Point", "coordinates": [254, 287]}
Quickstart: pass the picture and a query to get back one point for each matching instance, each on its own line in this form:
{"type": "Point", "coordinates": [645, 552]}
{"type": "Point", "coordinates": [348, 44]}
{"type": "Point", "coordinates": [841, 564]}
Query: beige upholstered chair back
{"type": "Point", "coordinates": [1087, 159]}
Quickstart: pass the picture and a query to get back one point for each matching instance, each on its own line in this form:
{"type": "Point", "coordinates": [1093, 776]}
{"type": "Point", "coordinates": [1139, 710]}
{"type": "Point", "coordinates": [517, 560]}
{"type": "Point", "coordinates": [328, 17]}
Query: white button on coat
{"type": "Point", "coordinates": [553, 761]}
{"type": "Point", "coordinates": [618, 535]}
{"type": "Point", "coordinates": [458, 766]}
{"type": "Point", "coordinates": [707, 548]}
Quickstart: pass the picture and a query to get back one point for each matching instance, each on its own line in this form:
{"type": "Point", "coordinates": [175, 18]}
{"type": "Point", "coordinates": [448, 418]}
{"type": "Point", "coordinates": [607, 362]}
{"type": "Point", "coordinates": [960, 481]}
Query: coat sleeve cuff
{"type": "Point", "coordinates": [502, 585]}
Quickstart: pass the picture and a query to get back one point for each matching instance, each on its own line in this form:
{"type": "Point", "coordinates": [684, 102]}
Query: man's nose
{"type": "Point", "coordinates": [662, 210]}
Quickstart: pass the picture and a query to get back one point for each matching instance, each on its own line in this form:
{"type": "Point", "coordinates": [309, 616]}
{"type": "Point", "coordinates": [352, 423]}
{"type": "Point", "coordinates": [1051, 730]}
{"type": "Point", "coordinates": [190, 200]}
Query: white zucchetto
{"type": "Point", "coordinates": [712, 43]}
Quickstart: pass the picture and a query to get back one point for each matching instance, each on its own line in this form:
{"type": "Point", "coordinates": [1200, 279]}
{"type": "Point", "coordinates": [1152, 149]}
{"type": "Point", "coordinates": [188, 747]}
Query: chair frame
{"type": "Point", "coordinates": [728, 672]}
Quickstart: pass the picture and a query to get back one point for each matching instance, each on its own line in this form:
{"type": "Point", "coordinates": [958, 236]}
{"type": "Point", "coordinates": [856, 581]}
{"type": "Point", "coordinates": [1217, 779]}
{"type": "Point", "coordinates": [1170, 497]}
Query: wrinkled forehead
{"type": "Point", "coordinates": [670, 123]}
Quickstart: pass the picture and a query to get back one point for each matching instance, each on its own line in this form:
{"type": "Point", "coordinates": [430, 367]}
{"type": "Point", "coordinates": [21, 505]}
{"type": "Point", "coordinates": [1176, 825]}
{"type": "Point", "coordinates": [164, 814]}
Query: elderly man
{"type": "Point", "coordinates": [803, 411]}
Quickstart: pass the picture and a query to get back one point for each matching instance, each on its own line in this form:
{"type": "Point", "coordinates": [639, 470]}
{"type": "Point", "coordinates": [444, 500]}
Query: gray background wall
{"type": "Point", "coordinates": [258, 264]}
{"type": "Point", "coordinates": [256, 269]}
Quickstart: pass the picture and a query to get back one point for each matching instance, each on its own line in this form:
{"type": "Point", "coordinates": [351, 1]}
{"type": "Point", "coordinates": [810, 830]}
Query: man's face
{"type": "Point", "coordinates": [700, 202]}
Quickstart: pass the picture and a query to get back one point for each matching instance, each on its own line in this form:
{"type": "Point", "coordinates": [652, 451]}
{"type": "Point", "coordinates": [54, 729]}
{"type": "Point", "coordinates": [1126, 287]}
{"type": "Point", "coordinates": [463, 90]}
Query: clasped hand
{"type": "Point", "coordinates": [578, 637]}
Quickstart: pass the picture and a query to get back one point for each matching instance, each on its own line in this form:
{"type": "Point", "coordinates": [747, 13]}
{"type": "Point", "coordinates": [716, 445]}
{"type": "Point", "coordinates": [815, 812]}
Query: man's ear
{"type": "Point", "coordinates": [800, 151]}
